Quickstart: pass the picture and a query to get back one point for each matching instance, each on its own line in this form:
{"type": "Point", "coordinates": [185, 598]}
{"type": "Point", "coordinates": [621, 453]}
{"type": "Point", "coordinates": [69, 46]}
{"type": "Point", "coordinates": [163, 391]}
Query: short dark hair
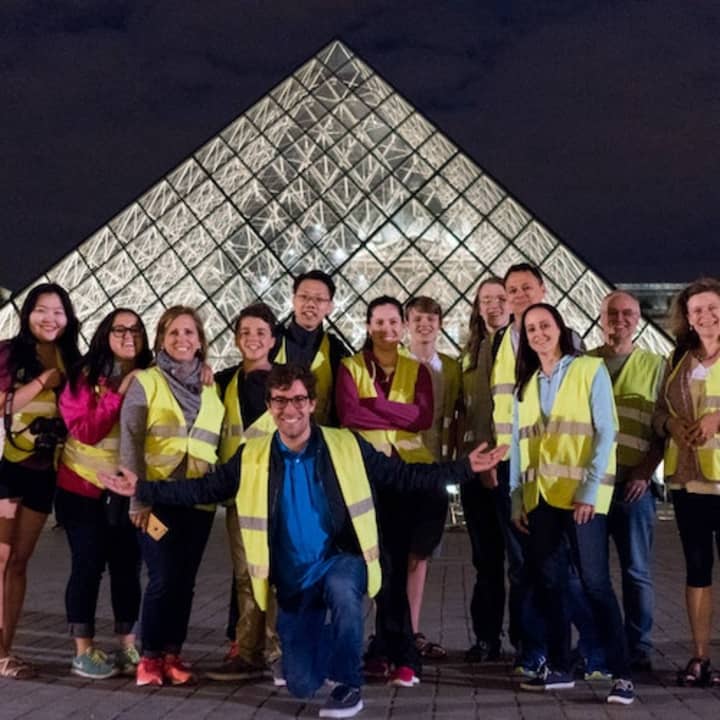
{"type": "Point", "coordinates": [423, 304]}
{"type": "Point", "coordinates": [524, 267]}
{"type": "Point", "coordinates": [283, 376]}
{"type": "Point", "coordinates": [259, 310]}
{"type": "Point", "coordinates": [318, 275]}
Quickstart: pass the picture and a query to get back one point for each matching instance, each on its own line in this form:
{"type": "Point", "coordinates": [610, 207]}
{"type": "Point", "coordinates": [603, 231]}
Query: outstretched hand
{"type": "Point", "coordinates": [123, 482]}
{"type": "Point", "coordinates": [481, 460]}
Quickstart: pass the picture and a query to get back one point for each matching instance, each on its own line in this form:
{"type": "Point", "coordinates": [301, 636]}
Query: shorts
{"type": "Point", "coordinates": [34, 488]}
{"type": "Point", "coordinates": [428, 517]}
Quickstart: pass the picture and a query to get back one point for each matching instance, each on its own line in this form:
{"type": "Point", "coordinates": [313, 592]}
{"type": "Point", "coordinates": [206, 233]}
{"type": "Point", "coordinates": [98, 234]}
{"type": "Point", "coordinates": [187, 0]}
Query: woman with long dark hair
{"type": "Point", "coordinates": [388, 397]}
{"type": "Point", "coordinates": [99, 533]}
{"type": "Point", "coordinates": [170, 430]}
{"type": "Point", "coordinates": [688, 416]}
{"type": "Point", "coordinates": [562, 468]}
{"type": "Point", "coordinates": [32, 373]}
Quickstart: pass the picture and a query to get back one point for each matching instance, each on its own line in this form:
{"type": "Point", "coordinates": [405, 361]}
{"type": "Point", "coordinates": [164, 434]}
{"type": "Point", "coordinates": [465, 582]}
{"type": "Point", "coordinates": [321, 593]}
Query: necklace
{"type": "Point", "coordinates": [705, 357]}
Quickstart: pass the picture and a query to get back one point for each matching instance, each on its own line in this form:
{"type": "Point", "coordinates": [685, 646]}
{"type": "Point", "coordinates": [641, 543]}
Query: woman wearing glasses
{"type": "Point", "coordinates": [90, 406]}
{"type": "Point", "coordinates": [169, 430]}
{"type": "Point", "coordinates": [388, 397]}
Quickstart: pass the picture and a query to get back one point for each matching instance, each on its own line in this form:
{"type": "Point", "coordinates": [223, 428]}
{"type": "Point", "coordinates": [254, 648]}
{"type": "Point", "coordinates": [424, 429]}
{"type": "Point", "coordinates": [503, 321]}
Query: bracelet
{"type": "Point", "coordinates": [42, 385]}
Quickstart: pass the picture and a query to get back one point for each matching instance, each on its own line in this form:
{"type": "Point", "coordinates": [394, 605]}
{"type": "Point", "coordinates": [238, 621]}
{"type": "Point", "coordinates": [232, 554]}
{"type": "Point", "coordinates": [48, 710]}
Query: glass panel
{"type": "Point", "coordinates": [240, 133]}
{"type": "Point", "coordinates": [158, 200]}
{"type": "Point", "coordinates": [277, 175]}
{"type": "Point", "coordinates": [69, 272]}
{"type": "Point", "coordinates": [250, 198]}
{"type": "Point", "coordinates": [339, 244]}
{"type": "Point", "coordinates": [536, 242]}
{"type": "Point", "coordinates": [436, 195]}
{"type": "Point", "coordinates": [232, 176]}
{"type": "Point", "coordinates": [186, 177]}
{"type": "Point", "coordinates": [242, 245]}
{"type": "Point", "coordinates": [486, 243]}
{"type": "Point", "coordinates": [461, 218]}
{"type": "Point", "coordinates": [289, 93]}
{"type": "Point", "coordinates": [415, 130]}
{"type": "Point", "coordinates": [509, 218]}
{"type": "Point", "coordinates": [347, 152]}
{"type": "Point", "coordinates": [115, 273]}
{"type": "Point", "coordinates": [438, 150]}
{"type": "Point", "coordinates": [563, 267]}
{"type": "Point", "coordinates": [147, 247]}
{"type": "Point", "coordinates": [297, 197]}
{"type": "Point", "coordinates": [175, 223]}
{"type": "Point", "coordinates": [99, 248]}
{"type": "Point", "coordinates": [368, 173]}
{"type": "Point", "coordinates": [462, 269]}
{"type": "Point", "coordinates": [484, 194]}
{"type": "Point", "coordinates": [270, 220]}
{"type": "Point", "coordinates": [164, 272]}
{"type": "Point", "coordinates": [213, 154]}
{"type": "Point", "coordinates": [284, 132]}
{"type": "Point", "coordinates": [389, 195]}
{"type": "Point", "coordinates": [233, 296]}
{"type": "Point", "coordinates": [436, 243]}
{"type": "Point", "coordinates": [224, 221]}
{"type": "Point", "coordinates": [264, 113]}
{"type": "Point", "coordinates": [196, 245]}
{"type": "Point", "coordinates": [460, 172]}
{"type": "Point", "coordinates": [205, 198]}
{"type": "Point", "coordinates": [258, 153]}
{"type": "Point", "coordinates": [130, 223]}
{"type": "Point", "coordinates": [334, 55]}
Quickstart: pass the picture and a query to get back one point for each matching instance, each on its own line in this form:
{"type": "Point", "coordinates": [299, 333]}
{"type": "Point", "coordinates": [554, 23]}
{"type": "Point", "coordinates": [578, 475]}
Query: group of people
{"type": "Point", "coordinates": [333, 467]}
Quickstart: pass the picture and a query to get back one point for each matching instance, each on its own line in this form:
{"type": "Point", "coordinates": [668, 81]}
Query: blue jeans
{"type": "Point", "coordinates": [555, 541]}
{"type": "Point", "coordinates": [632, 527]}
{"type": "Point", "coordinates": [313, 648]}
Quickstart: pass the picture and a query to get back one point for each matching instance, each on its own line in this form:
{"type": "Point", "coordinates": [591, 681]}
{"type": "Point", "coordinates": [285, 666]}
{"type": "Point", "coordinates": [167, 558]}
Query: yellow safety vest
{"type": "Point", "coordinates": [234, 433]}
{"type": "Point", "coordinates": [555, 453]}
{"type": "Point", "coordinates": [636, 389]}
{"type": "Point", "coordinates": [252, 506]}
{"type": "Point", "coordinates": [708, 454]}
{"type": "Point", "coordinates": [409, 445]}
{"type": "Point", "coordinates": [502, 384]}
{"type": "Point", "coordinates": [168, 439]}
{"type": "Point", "coordinates": [88, 460]}
{"type": "Point", "coordinates": [44, 404]}
{"type": "Point", "coordinates": [322, 371]}
{"type": "Point", "coordinates": [452, 383]}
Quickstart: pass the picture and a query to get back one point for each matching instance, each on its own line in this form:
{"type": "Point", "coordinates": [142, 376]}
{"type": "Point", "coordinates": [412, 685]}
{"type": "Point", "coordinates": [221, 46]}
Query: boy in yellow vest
{"type": "Point", "coordinates": [423, 316]}
{"type": "Point", "coordinates": [304, 496]}
{"type": "Point", "coordinates": [305, 342]}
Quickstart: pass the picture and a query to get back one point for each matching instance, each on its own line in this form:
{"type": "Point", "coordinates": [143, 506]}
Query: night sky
{"type": "Point", "coordinates": [602, 118]}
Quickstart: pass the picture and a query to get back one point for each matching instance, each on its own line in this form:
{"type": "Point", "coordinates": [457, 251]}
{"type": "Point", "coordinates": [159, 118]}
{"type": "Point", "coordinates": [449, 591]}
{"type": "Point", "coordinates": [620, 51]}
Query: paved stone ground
{"type": "Point", "coordinates": [449, 690]}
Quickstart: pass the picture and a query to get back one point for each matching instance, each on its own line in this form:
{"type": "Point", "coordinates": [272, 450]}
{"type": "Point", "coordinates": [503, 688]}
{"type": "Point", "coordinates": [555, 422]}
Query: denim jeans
{"type": "Point", "coordinates": [321, 629]}
{"type": "Point", "coordinates": [95, 545]}
{"type": "Point", "coordinates": [555, 541]}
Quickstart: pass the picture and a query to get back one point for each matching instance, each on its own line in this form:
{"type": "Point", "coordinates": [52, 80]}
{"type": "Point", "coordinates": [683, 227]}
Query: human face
{"type": "Point", "coordinates": [492, 305]}
{"type": "Point", "coordinates": [523, 290]}
{"type": "Point", "coordinates": [293, 420]}
{"type": "Point", "coordinates": [311, 304]}
{"type": "Point", "coordinates": [181, 341]}
{"type": "Point", "coordinates": [704, 315]}
{"type": "Point", "coordinates": [543, 333]}
{"type": "Point", "coordinates": [125, 338]}
{"type": "Point", "coordinates": [47, 319]}
{"type": "Point", "coordinates": [423, 327]}
{"type": "Point", "coordinates": [385, 328]}
{"type": "Point", "coordinates": [254, 339]}
{"type": "Point", "coordinates": [619, 320]}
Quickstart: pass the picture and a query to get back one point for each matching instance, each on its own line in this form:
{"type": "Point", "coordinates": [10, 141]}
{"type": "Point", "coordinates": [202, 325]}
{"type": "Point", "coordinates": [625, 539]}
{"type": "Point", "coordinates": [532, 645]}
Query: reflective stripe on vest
{"type": "Point", "coordinates": [88, 460]}
{"type": "Point", "coordinates": [322, 370]}
{"type": "Point", "coordinates": [44, 404]}
{"type": "Point", "coordinates": [252, 506]}
{"type": "Point", "coordinates": [502, 384]}
{"type": "Point", "coordinates": [555, 454]}
{"type": "Point", "coordinates": [708, 455]}
{"type": "Point", "coordinates": [409, 445]}
{"type": "Point", "coordinates": [168, 440]}
{"type": "Point", "coordinates": [234, 433]}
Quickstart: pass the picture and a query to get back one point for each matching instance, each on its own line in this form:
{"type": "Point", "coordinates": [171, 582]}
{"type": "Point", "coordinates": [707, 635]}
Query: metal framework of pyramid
{"type": "Point", "coordinates": [332, 170]}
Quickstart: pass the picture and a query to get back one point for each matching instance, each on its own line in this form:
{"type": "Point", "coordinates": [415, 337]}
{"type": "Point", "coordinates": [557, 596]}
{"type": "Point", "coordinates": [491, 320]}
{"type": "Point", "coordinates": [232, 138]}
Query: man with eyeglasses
{"type": "Point", "coordinates": [305, 499]}
{"type": "Point", "coordinates": [305, 342]}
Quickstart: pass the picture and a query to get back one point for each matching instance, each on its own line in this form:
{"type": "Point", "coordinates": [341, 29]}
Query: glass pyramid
{"type": "Point", "coordinates": [332, 170]}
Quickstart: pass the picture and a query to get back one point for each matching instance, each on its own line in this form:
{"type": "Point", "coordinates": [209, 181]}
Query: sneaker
{"type": "Point", "coordinates": [622, 692]}
{"type": "Point", "coordinates": [278, 676]}
{"type": "Point", "coordinates": [376, 668]}
{"type": "Point", "coordinates": [403, 676]}
{"type": "Point", "coordinates": [597, 675]}
{"type": "Point", "coordinates": [530, 669]}
{"type": "Point", "coordinates": [483, 652]}
{"type": "Point", "coordinates": [126, 661]}
{"type": "Point", "coordinates": [177, 671]}
{"type": "Point", "coordinates": [547, 679]}
{"type": "Point", "coordinates": [235, 668]}
{"type": "Point", "coordinates": [343, 702]}
{"type": "Point", "coordinates": [149, 671]}
{"type": "Point", "coordinates": [93, 664]}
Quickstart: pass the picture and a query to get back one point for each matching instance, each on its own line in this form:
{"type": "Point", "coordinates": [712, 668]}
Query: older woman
{"type": "Point", "coordinates": [688, 415]}
{"type": "Point", "coordinates": [562, 467]}
{"type": "Point", "coordinates": [170, 429]}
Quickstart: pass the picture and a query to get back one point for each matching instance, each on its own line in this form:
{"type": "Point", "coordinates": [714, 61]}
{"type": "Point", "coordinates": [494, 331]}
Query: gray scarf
{"type": "Point", "coordinates": [185, 383]}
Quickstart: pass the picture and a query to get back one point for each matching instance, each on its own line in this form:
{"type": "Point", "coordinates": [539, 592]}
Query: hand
{"type": "Point", "coordinates": [480, 460]}
{"type": "Point", "coordinates": [679, 430]}
{"type": "Point", "coordinates": [50, 379]}
{"type": "Point", "coordinates": [488, 479]}
{"type": "Point", "coordinates": [206, 375]}
{"type": "Point", "coordinates": [125, 384]}
{"type": "Point", "coordinates": [139, 518]}
{"type": "Point", "coordinates": [521, 523]}
{"type": "Point", "coordinates": [123, 482]}
{"type": "Point", "coordinates": [635, 489]}
{"type": "Point", "coordinates": [703, 429]}
{"type": "Point", "coordinates": [583, 513]}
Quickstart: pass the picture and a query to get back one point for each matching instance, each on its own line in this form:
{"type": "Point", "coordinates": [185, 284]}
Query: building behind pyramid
{"type": "Point", "coordinates": [331, 170]}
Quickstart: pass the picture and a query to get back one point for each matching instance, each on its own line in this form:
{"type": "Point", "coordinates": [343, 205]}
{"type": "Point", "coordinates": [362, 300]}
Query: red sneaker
{"type": "Point", "coordinates": [149, 671]}
{"type": "Point", "coordinates": [177, 671]}
{"type": "Point", "coordinates": [403, 676]}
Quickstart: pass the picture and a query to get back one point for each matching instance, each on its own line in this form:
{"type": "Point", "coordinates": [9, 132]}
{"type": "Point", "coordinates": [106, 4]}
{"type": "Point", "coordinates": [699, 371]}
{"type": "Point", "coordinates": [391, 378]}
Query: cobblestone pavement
{"type": "Point", "coordinates": [449, 689]}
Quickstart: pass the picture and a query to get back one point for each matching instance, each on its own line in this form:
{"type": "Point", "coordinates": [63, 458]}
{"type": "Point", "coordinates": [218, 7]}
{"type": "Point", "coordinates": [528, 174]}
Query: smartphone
{"type": "Point", "coordinates": [156, 528]}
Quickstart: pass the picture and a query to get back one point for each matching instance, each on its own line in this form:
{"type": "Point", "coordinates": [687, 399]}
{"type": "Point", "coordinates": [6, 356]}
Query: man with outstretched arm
{"type": "Point", "coordinates": [305, 499]}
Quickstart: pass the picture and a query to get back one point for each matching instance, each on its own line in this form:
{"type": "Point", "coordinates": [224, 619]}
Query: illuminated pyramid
{"type": "Point", "coordinates": [332, 170]}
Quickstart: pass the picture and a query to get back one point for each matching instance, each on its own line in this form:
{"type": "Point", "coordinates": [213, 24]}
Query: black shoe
{"type": "Point", "coordinates": [344, 702]}
{"type": "Point", "coordinates": [483, 652]}
{"type": "Point", "coordinates": [641, 662]}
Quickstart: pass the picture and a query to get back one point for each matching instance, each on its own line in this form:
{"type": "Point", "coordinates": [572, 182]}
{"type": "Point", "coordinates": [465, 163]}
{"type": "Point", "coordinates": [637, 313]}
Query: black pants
{"type": "Point", "coordinates": [95, 545]}
{"type": "Point", "coordinates": [172, 563]}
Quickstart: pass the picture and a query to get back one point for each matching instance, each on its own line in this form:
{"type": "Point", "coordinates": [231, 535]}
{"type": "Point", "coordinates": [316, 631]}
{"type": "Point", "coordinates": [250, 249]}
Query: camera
{"type": "Point", "coordinates": [49, 433]}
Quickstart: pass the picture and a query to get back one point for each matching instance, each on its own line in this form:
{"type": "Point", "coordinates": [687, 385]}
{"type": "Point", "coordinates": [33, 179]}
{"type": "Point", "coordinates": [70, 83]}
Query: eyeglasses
{"type": "Point", "coordinates": [314, 299]}
{"type": "Point", "coordinates": [119, 331]}
{"type": "Point", "coordinates": [280, 402]}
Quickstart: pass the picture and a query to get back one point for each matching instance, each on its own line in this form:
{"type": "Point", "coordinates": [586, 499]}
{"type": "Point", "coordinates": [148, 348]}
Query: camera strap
{"type": "Point", "coordinates": [7, 420]}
